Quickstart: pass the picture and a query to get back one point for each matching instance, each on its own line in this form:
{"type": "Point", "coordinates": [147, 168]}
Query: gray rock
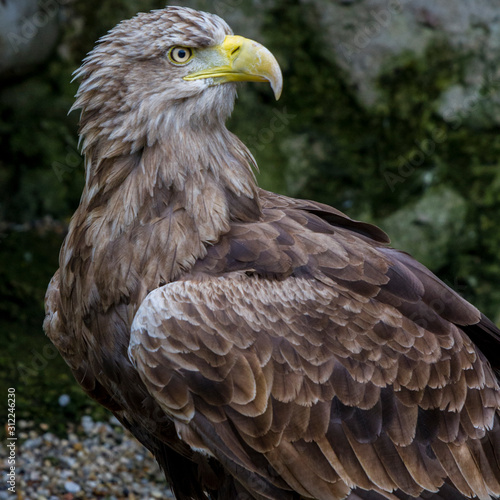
{"type": "Point", "coordinates": [428, 227]}
{"type": "Point", "coordinates": [368, 37]}
{"type": "Point", "coordinates": [28, 33]}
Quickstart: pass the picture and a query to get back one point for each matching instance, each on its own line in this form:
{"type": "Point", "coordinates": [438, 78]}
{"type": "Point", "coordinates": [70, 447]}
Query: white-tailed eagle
{"type": "Point", "coordinates": [261, 347]}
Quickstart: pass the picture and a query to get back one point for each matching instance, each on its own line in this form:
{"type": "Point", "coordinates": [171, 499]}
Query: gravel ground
{"type": "Point", "coordinates": [95, 460]}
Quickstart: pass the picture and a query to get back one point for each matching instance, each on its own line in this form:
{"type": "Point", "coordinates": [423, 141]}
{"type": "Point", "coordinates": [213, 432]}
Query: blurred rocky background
{"type": "Point", "coordinates": [390, 112]}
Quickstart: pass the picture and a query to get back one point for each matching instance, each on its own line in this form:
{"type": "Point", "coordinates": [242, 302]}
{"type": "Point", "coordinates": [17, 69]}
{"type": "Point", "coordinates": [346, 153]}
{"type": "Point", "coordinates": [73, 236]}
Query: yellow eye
{"type": "Point", "coordinates": [180, 55]}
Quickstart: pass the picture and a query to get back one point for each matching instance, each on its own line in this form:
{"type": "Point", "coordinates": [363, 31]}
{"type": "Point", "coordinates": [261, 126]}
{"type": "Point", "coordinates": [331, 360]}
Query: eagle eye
{"type": "Point", "coordinates": [180, 55]}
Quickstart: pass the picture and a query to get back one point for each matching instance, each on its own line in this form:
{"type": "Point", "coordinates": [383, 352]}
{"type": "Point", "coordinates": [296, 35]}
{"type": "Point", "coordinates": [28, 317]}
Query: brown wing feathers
{"type": "Point", "coordinates": [360, 390]}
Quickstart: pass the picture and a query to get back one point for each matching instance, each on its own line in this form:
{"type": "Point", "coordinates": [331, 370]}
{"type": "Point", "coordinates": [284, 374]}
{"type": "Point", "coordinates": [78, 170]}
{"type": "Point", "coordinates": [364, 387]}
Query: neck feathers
{"type": "Point", "coordinates": [208, 175]}
{"type": "Point", "coordinates": [158, 200]}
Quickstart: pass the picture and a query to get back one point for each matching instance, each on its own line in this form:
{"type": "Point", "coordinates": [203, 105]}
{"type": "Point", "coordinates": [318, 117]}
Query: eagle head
{"type": "Point", "coordinates": [162, 71]}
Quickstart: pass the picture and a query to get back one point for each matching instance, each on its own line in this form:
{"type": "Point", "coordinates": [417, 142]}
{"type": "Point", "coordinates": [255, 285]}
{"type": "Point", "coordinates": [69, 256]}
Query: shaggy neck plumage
{"type": "Point", "coordinates": [179, 150]}
{"type": "Point", "coordinates": [174, 190]}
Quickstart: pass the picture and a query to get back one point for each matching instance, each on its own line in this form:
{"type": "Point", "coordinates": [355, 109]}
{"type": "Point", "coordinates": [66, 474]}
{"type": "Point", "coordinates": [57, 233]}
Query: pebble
{"type": "Point", "coordinates": [87, 424]}
{"type": "Point", "coordinates": [64, 400]}
{"type": "Point", "coordinates": [33, 442]}
{"type": "Point", "coordinates": [72, 487]}
{"type": "Point", "coordinates": [94, 460]}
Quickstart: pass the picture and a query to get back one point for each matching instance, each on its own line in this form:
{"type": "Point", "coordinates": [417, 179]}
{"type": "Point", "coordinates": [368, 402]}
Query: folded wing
{"type": "Point", "coordinates": [317, 386]}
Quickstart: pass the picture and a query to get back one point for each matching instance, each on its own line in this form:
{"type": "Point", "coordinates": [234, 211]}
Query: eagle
{"type": "Point", "coordinates": [260, 346]}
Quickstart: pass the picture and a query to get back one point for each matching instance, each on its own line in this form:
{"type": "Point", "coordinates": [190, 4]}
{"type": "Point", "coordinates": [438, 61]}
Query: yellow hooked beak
{"type": "Point", "coordinates": [238, 59]}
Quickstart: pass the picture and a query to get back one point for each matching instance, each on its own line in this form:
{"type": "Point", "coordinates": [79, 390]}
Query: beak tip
{"type": "Point", "coordinates": [277, 91]}
{"type": "Point", "coordinates": [276, 81]}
